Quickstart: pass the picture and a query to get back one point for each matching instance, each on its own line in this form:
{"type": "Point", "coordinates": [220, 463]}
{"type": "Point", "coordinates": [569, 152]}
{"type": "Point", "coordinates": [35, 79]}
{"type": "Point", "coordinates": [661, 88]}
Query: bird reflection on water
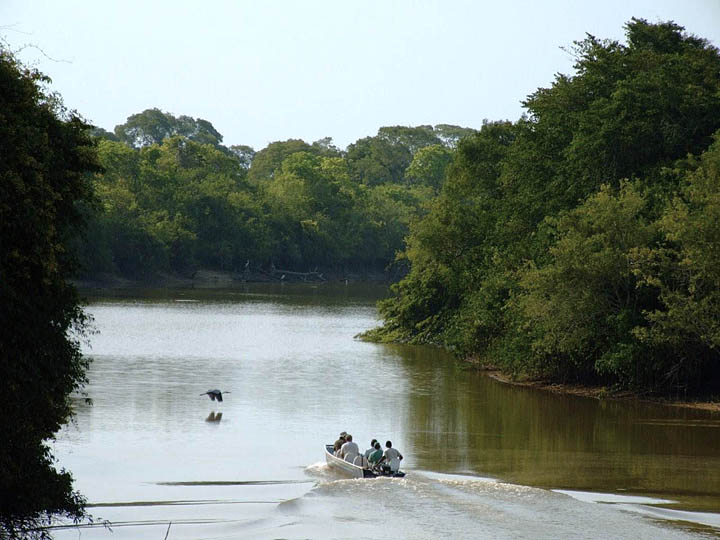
{"type": "Point", "coordinates": [214, 417]}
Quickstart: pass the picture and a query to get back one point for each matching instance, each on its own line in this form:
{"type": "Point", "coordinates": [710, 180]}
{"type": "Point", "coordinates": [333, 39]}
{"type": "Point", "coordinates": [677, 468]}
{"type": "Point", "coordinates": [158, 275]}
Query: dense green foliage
{"type": "Point", "coordinates": [581, 243]}
{"type": "Point", "coordinates": [153, 126]}
{"type": "Point", "coordinates": [174, 199]}
{"type": "Point", "coordinates": [575, 244]}
{"type": "Point", "coordinates": [45, 158]}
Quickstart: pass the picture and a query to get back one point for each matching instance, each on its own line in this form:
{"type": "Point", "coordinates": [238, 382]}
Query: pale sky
{"type": "Point", "coordinates": [263, 71]}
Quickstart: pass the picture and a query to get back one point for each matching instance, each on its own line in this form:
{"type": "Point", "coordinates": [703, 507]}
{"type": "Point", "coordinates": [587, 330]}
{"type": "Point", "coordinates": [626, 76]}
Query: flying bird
{"type": "Point", "coordinates": [214, 394]}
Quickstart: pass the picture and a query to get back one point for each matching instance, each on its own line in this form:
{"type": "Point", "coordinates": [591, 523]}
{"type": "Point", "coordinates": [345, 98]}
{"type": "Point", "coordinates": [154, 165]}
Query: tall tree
{"type": "Point", "coordinates": [412, 138]}
{"type": "Point", "coordinates": [45, 156]}
{"type": "Point", "coordinates": [376, 160]}
{"type": "Point", "coordinates": [152, 126]}
{"type": "Point", "coordinates": [451, 135]}
{"type": "Point", "coordinates": [429, 165]}
{"type": "Point", "coordinates": [245, 154]}
{"type": "Point", "coordinates": [269, 159]}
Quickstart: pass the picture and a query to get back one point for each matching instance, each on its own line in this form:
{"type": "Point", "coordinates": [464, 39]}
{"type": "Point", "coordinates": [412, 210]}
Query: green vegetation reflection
{"type": "Point", "coordinates": [461, 421]}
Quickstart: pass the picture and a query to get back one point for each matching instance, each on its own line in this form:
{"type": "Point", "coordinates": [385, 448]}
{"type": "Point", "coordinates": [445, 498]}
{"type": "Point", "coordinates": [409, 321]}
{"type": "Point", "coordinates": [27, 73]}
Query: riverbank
{"type": "Point", "coordinates": [597, 392]}
{"type": "Point", "coordinates": [205, 278]}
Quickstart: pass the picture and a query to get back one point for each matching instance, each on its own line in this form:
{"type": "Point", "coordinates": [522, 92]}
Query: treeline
{"type": "Point", "coordinates": [582, 243]}
{"type": "Point", "coordinates": [46, 156]}
{"type": "Point", "coordinates": [173, 199]}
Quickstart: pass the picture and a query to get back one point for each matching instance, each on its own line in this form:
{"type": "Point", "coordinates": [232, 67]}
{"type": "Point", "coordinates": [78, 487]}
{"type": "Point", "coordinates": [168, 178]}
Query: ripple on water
{"type": "Point", "coordinates": [430, 505]}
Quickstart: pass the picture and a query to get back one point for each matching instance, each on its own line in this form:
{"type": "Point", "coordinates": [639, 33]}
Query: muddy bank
{"type": "Point", "coordinates": [596, 392]}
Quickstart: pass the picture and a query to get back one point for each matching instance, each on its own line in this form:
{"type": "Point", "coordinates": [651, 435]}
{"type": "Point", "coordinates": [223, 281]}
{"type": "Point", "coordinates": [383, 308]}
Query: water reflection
{"type": "Point", "coordinates": [298, 378]}
{"type": "Point", "coordinates": [214, 417]}
{"type": "Point", "coordinates": [464, 421]}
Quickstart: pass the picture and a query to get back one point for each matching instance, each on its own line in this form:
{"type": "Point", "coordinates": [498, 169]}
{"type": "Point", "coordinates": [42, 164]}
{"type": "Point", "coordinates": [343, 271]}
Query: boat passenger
{"type": "Point", "coordinates": [361, 461]}
{"type": "Point", "coordinates": [392, 457]}
{"type": "Point", "coordinates": [376, 455]}
{"type": "Point", "coordinates": [338, 444]}
{"type": "Point", "coordinates": [349, 450]}
{"type": "Point", "coordinates": [371, 449]}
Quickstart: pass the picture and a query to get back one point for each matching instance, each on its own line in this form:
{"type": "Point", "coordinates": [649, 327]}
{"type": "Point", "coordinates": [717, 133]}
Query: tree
{"type": "Point", "coordinates": [143, 129]}
{"type": "Point", "coordinates": [530, 255]}
{"type": "Point", "coordinates": [630, 110]}
{"type": "Point", "coordinates": [429, 165]}
{"type": "Point", "coordinates": [385, 158]}
{"type": "Point", "coordinates": [326, 147]}
{"type": "Point", "coordinates": [375, 160]}
{"type": "Point", "coordinates": [311, 202]}
{"type": "Point", "coordinates": [101, 133]}
{"type": "Point", "coordinates": [197, 130]}
{"type": "Point", "coordinates": [152, 126]}
{"type": "Point", "coordinates": [685, 269]}
{"type": "Point", "coordinates": [269, 159]}
{"type": "Point", "coordinates": [172, 207]}
{"type": "Point", "coordinates": [46, 154]}
{"type": "Point", "coordinates": [581, 307]}
{"type": "Point", "coordinates": [451, 249]}
{"type": "Point", "coordinates": [451, 135]}
{"type": "Point", "coordinates": [412, 138]}
{"type": "Point", "coordinates": [244, 153]}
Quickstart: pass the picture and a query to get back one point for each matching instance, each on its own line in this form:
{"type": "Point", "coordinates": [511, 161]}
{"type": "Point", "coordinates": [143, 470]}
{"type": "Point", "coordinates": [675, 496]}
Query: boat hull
{"type": "Point", "coordinates": [349, 469]}
{"type": "Point", "coordinates": [344, 466]}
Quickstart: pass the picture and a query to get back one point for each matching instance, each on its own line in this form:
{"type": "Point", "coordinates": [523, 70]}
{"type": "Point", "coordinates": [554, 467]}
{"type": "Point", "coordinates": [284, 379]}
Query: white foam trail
{"type": "Point", "coordinates": [612, 498]}
{"type": "Point", "coordinates": [702, 518]}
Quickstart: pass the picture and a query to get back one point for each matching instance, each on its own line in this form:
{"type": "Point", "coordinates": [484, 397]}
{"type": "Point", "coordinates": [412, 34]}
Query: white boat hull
{"type": "Point", "coordinates": [353, 470]}
{"type": "Point", "coordinates": [345, 466]}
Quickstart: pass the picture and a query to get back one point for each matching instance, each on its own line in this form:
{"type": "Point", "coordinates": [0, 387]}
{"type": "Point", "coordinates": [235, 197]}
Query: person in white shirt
{"type": "Point", "coordinates": [349, 450]}
{"type": "Point", "coordinates": [391, 457]}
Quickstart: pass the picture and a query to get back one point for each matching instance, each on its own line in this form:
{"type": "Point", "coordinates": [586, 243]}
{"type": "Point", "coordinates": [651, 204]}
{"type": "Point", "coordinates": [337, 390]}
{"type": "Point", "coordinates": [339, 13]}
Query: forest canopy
{"type": "Point", "coordinates": [574, 244]}
{"type": "Point", "coordinates": [174, 199]}
{"type": "Point", "coordinates": [579, 244]}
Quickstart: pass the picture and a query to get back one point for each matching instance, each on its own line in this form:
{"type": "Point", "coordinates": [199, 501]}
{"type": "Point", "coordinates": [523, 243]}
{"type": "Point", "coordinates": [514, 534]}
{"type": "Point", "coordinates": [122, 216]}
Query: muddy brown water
{"type": "Point", "coordinates": [484, 459]}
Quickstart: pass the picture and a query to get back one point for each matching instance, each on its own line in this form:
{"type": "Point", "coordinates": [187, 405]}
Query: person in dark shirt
{"type": "Point", "coordinates": [338, 444]}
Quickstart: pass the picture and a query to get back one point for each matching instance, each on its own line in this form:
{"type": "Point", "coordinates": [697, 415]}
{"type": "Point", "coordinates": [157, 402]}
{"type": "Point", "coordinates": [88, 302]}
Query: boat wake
{"type": "Point", "coordinates": [422, 505]}
{"type": "Point", "coordinates": [322, 472]}
{"type": "Point", "coordinates": [431, 505]}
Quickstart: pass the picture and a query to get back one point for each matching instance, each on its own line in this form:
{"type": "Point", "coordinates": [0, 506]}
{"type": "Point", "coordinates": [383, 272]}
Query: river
{"type": "Point", "coordinates": [483, 459]}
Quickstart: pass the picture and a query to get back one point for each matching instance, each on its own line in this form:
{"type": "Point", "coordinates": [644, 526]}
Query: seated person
{"type": "Point", "coordinates": [338, 444]}
{"type": "Point", "coordinates": [392, 457]}
{"type": "Point", "coordinates": [361, 461]}
{"type": "Point", "coordinates": [349, 450]}
{"type": "Point", "coordinates": [376, 455]}
{"type": "Point", "coordinates": [371, 449]}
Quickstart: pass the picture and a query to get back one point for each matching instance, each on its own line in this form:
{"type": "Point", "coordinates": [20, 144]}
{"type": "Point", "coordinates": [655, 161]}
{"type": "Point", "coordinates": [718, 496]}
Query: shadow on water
{"type": "Point", "coordinates": [322, 294]}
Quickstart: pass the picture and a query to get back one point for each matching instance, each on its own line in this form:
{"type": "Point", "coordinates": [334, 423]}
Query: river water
{"type": "Point", "coordinates": [484, 459]}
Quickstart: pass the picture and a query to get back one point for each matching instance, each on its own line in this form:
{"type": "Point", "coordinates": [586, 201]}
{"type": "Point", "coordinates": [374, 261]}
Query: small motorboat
{"type": "Point", "coordinates": [356, 471]}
